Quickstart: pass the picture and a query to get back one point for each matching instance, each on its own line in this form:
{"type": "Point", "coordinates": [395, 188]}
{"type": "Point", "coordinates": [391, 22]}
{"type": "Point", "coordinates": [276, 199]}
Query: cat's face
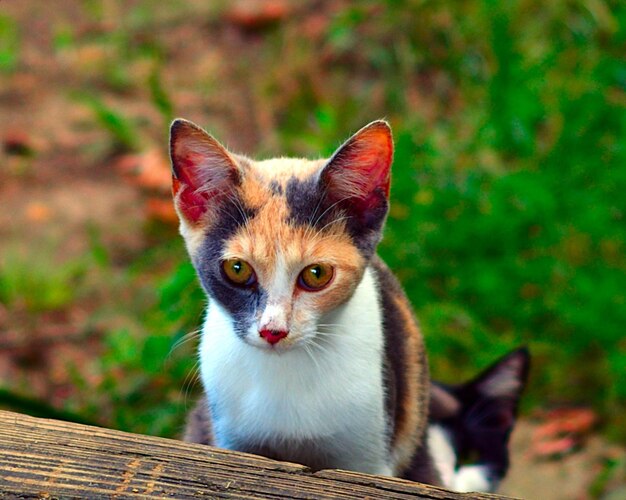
{"type": "Point", "coordinates": [478, 417]}
{"type": "Point", "coordinates": [280, 243]}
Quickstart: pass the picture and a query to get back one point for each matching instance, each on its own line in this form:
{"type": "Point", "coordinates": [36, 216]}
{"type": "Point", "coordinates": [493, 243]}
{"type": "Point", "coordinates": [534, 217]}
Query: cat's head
{"type": "Point", "coordinates": [281, 242]}
{"type": "Point", "coordinates": [479, 416]}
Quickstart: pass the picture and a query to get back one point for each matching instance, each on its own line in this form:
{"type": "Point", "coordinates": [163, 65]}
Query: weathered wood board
{"type": "Point", "coordinates": [42, 458]}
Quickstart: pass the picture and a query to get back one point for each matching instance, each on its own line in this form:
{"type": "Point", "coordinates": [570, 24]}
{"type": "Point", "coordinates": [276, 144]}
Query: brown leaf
{"type": "Point", "coordinates": [150, 170]}
{"type": "Point", "coordinates": [253, 15]}
{"type": "Point", "coordinates": [562, 432]}
{"type": "Point", "coordinates": [38, 212]}
{"type": "Point", "coordinates": [553, 448]}
{"type": "Point", "coordinates": [17, 142]}
{"type": "Point", "coordinates": [161, 210]}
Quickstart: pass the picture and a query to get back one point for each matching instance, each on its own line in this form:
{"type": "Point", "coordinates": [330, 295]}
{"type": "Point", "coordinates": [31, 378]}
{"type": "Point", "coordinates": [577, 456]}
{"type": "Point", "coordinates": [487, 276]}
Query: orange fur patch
{"type": "Point", "coordinates": [415, 403]}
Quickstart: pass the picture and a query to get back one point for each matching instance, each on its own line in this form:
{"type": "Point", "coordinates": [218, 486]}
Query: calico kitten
{"type": "Point", "coordinates": [470, 424]}
{"type": "Point", "coordinates": [309, 351]}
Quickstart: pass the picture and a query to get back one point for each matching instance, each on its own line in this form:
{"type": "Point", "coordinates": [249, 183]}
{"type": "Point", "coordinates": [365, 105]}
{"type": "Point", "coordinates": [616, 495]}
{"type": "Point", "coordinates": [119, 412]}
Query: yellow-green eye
{"type": "Point", "coordinates": [315, 277]}
{"type": "Point", "coordinates": [238, 272]}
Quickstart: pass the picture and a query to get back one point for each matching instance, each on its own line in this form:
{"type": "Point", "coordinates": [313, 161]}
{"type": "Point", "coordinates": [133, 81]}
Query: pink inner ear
{"type": "Point", "coordinates": [193, 204]}
{"type": "Point", "coordinates": [192, 201]}
{"type": "Point", "coordinates": [360, 169]}
{"type": "Point", "coordinates": [203, 169]}
{"type": "Point", "coordinates": [375, 164]}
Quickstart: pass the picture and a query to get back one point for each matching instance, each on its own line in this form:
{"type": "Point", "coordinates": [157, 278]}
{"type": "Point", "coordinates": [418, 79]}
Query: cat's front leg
{"type": "Point", "coordinates": [198, 428]}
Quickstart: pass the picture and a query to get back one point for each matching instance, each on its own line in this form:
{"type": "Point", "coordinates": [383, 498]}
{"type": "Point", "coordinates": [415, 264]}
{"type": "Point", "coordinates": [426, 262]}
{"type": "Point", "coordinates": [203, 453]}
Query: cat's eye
{"type": "Point", "coordinates": [315, 277]}
{"type": "Point", "coordinates": [238, 272]}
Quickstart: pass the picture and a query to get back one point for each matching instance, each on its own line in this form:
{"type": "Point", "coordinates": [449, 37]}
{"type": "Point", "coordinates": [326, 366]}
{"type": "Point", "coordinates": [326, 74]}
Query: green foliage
{"type": "Point", "coordinates": [32, 282]}
{"type": "Point", "coordinates": [147, 376]}
{"type": "Point", "coordinates": [122, 130]}
{"type": "Point", "coordinates": [9, 44]}
{"type": "Point", "coordinates": [160, 98]}
{"type": "Point", "coordinates": [520, 223]}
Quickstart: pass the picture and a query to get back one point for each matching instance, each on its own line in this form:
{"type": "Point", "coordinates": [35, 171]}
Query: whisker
{"type": "Point", "coordinates": [329, 208]}
{"type": "Point", "coordinates": [184, 339]}
{"type": "Point", "coordinates": [335, 221]}
{"type": "Point", "coordinates": [345, 328]}
{"type": "Point", "coordinates": [191, 379]}
{"type": "Point", "coordinates": [317, 207]}
{"type": "Point", "coordinates": [321, 344]}
{"type": "Point", "coordinates": [310, 354]}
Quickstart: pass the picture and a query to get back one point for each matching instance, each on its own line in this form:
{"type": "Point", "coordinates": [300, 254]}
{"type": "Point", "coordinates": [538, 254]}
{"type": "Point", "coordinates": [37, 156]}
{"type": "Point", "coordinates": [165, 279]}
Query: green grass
{"type": "Point", "coordinates": [9, 44]}
{"type": "Point", "coordinates": [121, 129]}
{"type": "Point", "coordinates": [33, 283]}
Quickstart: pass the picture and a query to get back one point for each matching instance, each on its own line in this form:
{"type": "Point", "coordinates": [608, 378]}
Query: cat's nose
{"type": "Point", "coordinates": [273, 336]}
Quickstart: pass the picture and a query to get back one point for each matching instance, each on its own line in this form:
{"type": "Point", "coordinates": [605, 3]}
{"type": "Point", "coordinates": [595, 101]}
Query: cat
{"type": "Point", "coordinates": [309, 351]}
{"type": "Point", "coordinates": [470, 424]}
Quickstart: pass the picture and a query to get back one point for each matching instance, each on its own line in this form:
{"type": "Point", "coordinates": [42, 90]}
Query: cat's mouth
{"type": "Point", "coordinates": [275, 342]}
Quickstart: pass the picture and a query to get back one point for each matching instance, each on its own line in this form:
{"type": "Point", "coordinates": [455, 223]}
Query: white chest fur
{"type": "Point", "coordinates": [333, 394]}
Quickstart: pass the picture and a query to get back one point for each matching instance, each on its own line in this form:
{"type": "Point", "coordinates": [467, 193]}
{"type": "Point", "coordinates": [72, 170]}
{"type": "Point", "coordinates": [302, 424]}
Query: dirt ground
{"type": "Point", "coordinates": [58, 182]}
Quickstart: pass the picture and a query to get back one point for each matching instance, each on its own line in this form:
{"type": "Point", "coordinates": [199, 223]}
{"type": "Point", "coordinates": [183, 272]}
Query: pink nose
{"type": "Point", "coordinates": [273, 336]}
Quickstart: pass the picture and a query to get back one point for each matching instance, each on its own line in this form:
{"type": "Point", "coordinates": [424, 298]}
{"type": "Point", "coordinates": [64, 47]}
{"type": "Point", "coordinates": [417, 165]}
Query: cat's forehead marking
{"type": "Point", "coordinates": [270, 233]}
{"type": "Point", "coordinates": [269, 242]}
{"type": "Point", "coordinates": [268, 179]}
{"type": "Point", "coordinates": [281, 170]}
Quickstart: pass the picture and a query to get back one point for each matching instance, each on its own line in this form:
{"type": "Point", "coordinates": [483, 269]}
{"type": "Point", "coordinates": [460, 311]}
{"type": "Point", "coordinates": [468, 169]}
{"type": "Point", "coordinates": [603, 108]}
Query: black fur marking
{"type": "Point", "coordinates": [275, 188]}
{"type": "Point", "coordinates": [304, 199]}
{"type": "Point", "coordinates": [395, 348]}
{"type": "Point", "coordinates": [241, 303]}
{"type": "Point", "coordinates": [198, 428]}
{"type": "Point", "coordinates": [481, 428]}
{"type": "Point", "coordinates": [310, 452]}
{"type": "Point", "coordinates": [421, 468]}
{"type": "Point", "coordinates": [309, 205]}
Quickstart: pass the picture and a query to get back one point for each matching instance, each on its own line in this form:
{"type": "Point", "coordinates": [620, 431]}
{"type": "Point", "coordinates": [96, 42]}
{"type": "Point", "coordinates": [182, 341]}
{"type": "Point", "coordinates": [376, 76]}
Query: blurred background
{"type": "Point", "coordinates": [507, 223]}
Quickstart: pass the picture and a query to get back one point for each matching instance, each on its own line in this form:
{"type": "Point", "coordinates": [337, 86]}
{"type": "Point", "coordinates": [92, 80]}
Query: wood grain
{"type": "Point", "coordinates": [42, 458]}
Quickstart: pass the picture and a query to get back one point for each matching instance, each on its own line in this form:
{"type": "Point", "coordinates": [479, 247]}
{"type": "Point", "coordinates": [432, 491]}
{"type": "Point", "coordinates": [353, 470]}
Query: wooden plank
{"type": "Point", "coordinates": [42, 458]}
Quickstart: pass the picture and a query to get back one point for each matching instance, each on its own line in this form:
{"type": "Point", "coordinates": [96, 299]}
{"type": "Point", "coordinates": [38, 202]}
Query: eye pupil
{"type": "Point", "coordinates": [238, 272]}
{"type": "Point", "coordinates": [315, 277]}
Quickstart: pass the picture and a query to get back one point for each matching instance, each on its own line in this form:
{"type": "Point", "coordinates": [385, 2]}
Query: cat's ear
{"type": "Point", "coordinates": [203, 172]}
{"type": "Point", "coordinates": [359, 171]}
{"type": "Point", "coordinates": [443, 403]}
{"type": "Point", "coordinates": [498, 390]}
{"type": "Point", "coordinates": [506, 378]}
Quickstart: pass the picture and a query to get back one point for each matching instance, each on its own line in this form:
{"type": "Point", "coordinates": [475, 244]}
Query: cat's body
{"type": "Point", "coordinates": [310, 351]}
{"type": "Point", "coordinates": [325, 408]}
{"type": "Point", "coordinates": [469, 425]}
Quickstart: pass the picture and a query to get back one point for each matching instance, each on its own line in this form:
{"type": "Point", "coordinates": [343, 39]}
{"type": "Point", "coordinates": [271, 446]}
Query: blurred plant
{"type": "Point", "coordinates": [33, 283]}
{"type": "Point", "coordinates": [122, 130]}
{"type": "Point", "coordinates": [148, 369]}
{"type": "Point", "coordinates": [159, 96]}
{"type": "Point", "coordinates": [9, 44]}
